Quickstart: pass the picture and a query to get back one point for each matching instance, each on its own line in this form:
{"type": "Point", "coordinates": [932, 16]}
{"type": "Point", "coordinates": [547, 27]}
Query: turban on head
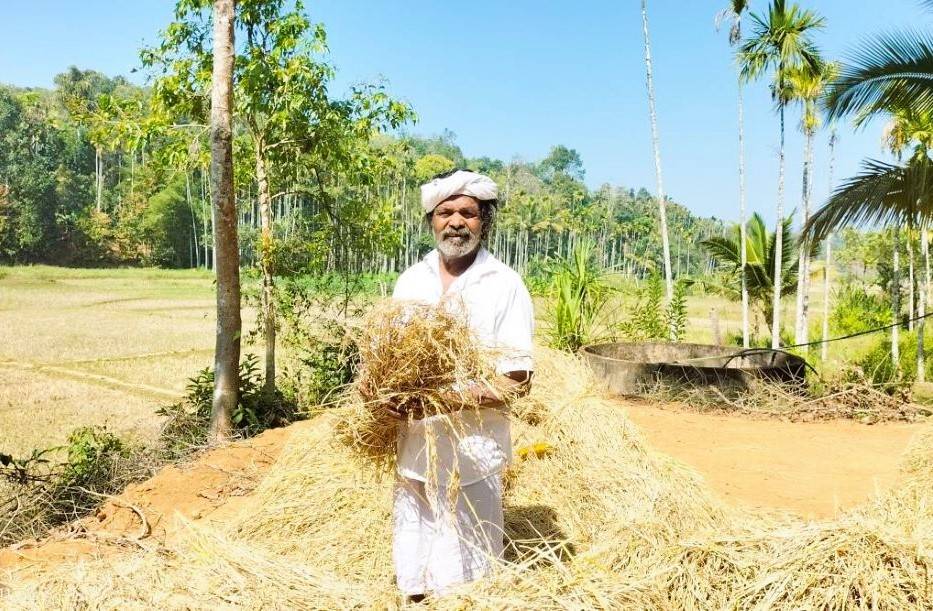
{"type": "Point", "coordinates": [460, 182]}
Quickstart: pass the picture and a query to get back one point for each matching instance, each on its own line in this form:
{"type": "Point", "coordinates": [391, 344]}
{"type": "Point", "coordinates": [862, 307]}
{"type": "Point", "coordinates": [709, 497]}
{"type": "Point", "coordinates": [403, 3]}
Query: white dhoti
{"type": "Point", "coordinates": [442, 546]}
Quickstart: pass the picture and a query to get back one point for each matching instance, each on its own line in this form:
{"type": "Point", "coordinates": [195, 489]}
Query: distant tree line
{"type": "Point", "coordinates": [92, 172]}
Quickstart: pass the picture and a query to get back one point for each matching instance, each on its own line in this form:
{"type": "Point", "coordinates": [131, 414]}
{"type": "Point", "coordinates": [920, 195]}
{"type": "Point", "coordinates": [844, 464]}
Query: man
{"type": "Point", "coordinates": [443, 539]}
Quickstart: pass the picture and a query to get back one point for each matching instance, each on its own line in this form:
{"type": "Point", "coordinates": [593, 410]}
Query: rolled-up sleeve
{"type": "Point", "coordinates": [515, 329]}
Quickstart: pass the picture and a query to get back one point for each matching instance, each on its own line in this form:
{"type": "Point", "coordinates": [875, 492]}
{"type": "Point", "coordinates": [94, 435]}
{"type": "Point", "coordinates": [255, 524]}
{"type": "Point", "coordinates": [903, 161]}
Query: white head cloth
{"type": "Point", "coordinates": [460, 182]}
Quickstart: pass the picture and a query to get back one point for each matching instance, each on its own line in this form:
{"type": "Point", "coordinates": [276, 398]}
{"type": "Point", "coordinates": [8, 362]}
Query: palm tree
{"type": "Point", "coordinates": [733, 12]}
{"type": "Point", "coordinates": [882, 194]}
{"type": "Point", "coordinates": [760, 256]}
{"type": "Point", "coordinates": [806, 87]}
{"type": "Point", "coordinates": [828, 248]}
{"type": "Point", "coordinates": [780, 42]}
{"type": "Point", "coordinates": [656, 146]}
{"type": "Point", "coordinates": [908, 126]}
{"type": "Point", "coordinates": [894, 70]}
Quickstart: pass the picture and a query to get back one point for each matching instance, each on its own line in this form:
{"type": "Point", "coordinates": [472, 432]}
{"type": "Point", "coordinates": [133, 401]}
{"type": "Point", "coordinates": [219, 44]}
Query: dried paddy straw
{"type": "Point", "coordinates": [413, 356]}
{"type": "Point", "coordinates": [601, 521]}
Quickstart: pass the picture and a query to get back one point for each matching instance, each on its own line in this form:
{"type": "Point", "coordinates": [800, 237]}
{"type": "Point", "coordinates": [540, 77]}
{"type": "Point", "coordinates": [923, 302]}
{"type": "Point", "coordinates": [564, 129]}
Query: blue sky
{"type": "Point", "coordinates": [514, 78]}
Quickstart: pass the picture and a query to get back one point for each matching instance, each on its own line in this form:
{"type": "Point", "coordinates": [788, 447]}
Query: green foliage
{"type": "Point", "coordinates": [894, 70]}
{"type": "Point", "coordinates": [878, 367]}
{"type": "Point", "coordinates": [650, 320]}
{"type": "Point", "coordinates": [42, 492]}
{"type": "Point", "coordinates": [856, 309]}
{"type": "Point", "coordinates": [164, 227]}
{"type": "Point", "coordinates": [537, 276]}
{"type": "Point", "coordinates": [323, 355]}
{"type": "Point", "coordinates": [186, 425]}
{"type": "Point", "coordinates": [761, 251]}
{"type": "Point", "coordinates": [431, 165]}
{"type": "Point", "coordinates": [580, 292]}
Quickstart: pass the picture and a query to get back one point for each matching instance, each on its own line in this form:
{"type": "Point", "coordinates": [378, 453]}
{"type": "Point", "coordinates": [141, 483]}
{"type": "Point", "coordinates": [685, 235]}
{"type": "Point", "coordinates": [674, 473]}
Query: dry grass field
{"type": "Point", "coordinates": [108, 346]}
{"type": "Point", "coordinates": [96, 346]}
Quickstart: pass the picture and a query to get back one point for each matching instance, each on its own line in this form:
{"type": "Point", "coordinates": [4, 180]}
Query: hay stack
{"type": "Point", "coordinates": [600, 522]}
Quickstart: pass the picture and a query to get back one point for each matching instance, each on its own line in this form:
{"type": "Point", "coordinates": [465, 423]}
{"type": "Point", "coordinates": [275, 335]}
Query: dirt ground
{"type": "Point", "coordinates": [814, 469]}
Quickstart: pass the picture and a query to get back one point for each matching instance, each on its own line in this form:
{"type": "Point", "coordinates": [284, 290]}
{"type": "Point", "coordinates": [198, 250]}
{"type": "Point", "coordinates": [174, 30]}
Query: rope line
{"type": "Point", "coordinates": [784, 349]}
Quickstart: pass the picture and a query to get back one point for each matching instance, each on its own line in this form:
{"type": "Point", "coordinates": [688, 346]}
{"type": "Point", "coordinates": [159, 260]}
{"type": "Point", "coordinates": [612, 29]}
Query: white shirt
{"type": "Point", "coordinates": [500, 313]}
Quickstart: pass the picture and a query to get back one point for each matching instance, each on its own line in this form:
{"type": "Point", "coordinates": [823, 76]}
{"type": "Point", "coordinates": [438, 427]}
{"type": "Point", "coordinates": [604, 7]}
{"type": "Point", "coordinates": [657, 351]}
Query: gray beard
{"type": "Point", "coordinates": [454, 248]}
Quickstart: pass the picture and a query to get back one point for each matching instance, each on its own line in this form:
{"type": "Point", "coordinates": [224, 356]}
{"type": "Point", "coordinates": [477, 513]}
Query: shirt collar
{"type": "Point", "coordinates": [480, 266]}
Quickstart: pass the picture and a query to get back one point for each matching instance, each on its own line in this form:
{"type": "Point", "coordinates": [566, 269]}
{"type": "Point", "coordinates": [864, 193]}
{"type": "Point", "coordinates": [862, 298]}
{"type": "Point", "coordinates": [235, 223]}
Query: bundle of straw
{"type": "Point", "coordinates": [415, 358]}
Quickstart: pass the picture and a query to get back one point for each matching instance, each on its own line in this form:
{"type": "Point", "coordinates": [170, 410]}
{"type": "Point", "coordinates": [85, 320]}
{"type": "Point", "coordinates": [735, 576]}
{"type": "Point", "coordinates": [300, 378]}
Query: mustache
{"type": "Point", "coordinates": [456, 233]}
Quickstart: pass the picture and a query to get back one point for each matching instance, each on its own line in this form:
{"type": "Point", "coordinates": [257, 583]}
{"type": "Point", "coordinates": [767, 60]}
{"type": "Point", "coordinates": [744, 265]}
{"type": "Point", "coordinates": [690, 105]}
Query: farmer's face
{"type": "Point", "coordinates": [457, 226]}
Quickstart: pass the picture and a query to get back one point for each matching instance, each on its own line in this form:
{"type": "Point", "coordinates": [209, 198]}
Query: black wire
{"type": "Point", "coordinates": [860, 333]}
{"type": "Point", "coordinates": [784, 349]}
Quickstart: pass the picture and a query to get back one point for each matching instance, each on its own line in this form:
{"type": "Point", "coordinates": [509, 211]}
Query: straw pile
{"type": "Point", "coordinates": [413, 356]}
{"type": "Point", "coordinates": [599, 522]}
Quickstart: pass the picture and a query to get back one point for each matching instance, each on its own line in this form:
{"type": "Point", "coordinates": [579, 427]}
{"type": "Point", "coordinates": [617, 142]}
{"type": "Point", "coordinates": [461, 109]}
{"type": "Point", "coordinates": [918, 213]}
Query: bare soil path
{"type": "Point", "coordinates": [813, 469]}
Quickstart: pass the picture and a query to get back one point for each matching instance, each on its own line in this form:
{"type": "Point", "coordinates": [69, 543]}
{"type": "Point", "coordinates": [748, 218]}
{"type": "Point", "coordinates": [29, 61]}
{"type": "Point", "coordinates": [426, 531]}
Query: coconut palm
{"type": "Point", "coordinates": [760, 257]}
{"type": "Point", "coordinates": [894, 70]}
{"type": "Point", "coordinates": [733, 12]}
{"type": "Point", "coordinates": [656, 146]}
{"type": "Point", "coordinates": [780, 42]}
{"type": "Point", "coordinates": [882, 194]}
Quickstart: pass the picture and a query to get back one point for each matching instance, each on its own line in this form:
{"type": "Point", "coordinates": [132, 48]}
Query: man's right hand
{"type": "Point", "coordinates": [402, 413]}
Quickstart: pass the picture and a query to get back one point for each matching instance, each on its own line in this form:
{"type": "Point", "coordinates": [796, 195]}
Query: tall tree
{"type": "Point", "coordinates": [828, 251]}
{"type": "Point", "coordinates": [733, 13]}
{"type": "Point", "coordinates": [910, 127]}
{"type": "Point", "coordinates": [780, 41]}
{"type": "Point", "coordinates": [806, 87]}
{"type": "Point", "coordinates": [300, 140]}
{"type": "Point", "coordinates": [227, 344]}
{"type": "Point", "coordinates": [656, 146]}
{"type": "Point", "coordinates": [886, 194]}
{"type": "Point", "coordinates": [761, 251]}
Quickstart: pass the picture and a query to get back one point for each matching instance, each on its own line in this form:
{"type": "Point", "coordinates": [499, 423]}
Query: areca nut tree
{"type": "Point", "coordinates": [881, 194]}
{"type": "Point", "coordinates": [828, 250]}
{"type": "Point", "coordinates": [807, 84]}
{"type": "Point", "coordinates": [656, 147]}
{"type": "Point", "coordinates": [733, 12]}
{"type": "Point", "coordinates": [780, 41]}
{"type": "Point", "coordinates": [911, 127]}
{"type": "Point", "coordinates": [760, 256]}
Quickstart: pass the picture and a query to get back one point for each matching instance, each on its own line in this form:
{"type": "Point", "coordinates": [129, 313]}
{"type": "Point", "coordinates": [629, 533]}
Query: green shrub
{"type": "Point", "coordinates": [855, 310]}
{"type": "Point", "coordinates": [579, 293]}
{"type": "Point", "coordinates": [187, 421]}
{"type": "Point", "coordinates": [650, 320]}
{"type": "Point", "coordinates": [538, 276]}
{"type": "Point", "coordinates": [322, 354]}
{"type": "Point", "coordinates": [39, 492]}
{"type": "Point", "coordinates": [877, 367]}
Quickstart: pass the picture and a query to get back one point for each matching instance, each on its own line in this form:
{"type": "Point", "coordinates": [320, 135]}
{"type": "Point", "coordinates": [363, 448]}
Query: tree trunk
{"type": "Point", "coordinates": [227, 346]}
{"type": "Point", "coordinates": [896, 300]}
{"type": "Point", "coordinates": [742, 223]}
{"type": "Point", "coordinates": [656, 146]}
{"type": "Point", "coordinates": [196, 258]}
{"type": "Point", "coordinates": [922, 303]}
{"type": "Point", "coordinates": [801, 322]}
{"type": "Point", "coordinates": [99, 177]}
{"type": "Point", "coordinates": [778, 245]}
{"type": "Point", "coordinates": [267, 300]}
{"type": "Point", "coordinates": [911, 300]}
{"type": "Point", "coordinates": [824, 348]}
